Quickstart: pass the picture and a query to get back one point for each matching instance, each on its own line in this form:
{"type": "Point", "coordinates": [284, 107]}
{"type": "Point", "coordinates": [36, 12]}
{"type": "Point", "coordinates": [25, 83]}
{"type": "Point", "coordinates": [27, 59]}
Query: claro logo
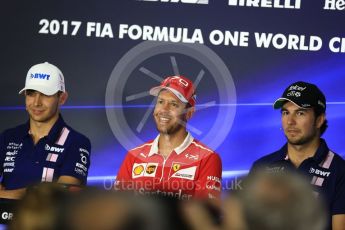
{"type": "Point", "coordinates": [179, 1]}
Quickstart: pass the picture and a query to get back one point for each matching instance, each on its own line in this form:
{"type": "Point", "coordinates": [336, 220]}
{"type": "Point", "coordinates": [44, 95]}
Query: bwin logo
{"type": "Point", "coordinates": [40, 76]}
{"type": "Point", "coordinates": [177, 1]}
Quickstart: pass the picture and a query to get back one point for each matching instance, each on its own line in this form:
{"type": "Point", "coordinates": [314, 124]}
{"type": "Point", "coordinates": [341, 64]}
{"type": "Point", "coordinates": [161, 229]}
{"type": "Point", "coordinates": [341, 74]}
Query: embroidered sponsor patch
{"type": "Point", "coordinates": [191, 156]}
{"type": "Point", "coordinates": [176, 166]}
{"type": "Point", "coordinates": [186, 173]}
{"type": "Point", "coordinates": [144, 170]}
{"type": "Point", "coordinates": [138, 170]}
{"type": "Point", "coordinates": [150, 168]}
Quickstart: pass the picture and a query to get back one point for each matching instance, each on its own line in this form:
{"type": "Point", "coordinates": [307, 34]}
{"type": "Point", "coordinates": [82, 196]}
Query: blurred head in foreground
{"type": "Point", "coordinates": [264, 202]}
{"type": "Point", "coordinates": [274, 201]}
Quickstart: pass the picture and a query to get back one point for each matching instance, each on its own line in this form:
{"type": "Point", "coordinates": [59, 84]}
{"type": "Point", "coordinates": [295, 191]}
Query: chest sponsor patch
{"type": "Point", "coordinates": [319, 172]}
{"type": "Point", "coordinates": [144, 170]}
{"type": "Point", "coordinates": [151, 169]}
{"type": "Point", "coordinates": [53, 149]}
{"type": "Point", "coordinates": [185, 173]}
{"type": "Point", "coordinates": [176, 167]}
{"type": "Point", "coordinates": [138, 170]}
{"type": "Point", "coordinates": [191, 156]}
{"type": "Point", "coordinates": [10, 156]}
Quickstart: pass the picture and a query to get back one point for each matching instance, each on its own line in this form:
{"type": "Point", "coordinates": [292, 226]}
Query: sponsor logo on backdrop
{"type": "Point", "coordinates": [334, 5]}
{"type": "Point", "coordinates": [146, 52]}
{"type": "Point", "coordinates": [287, 4]}
{"type": "Point", "coordinates": [178, 1]}
{"type": "Point", "coordinates": [282, 4]}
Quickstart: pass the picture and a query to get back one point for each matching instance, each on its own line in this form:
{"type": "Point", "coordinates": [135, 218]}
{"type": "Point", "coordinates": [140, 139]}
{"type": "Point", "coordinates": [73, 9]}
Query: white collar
{"type": "Point", "coordinates": [187, 141]}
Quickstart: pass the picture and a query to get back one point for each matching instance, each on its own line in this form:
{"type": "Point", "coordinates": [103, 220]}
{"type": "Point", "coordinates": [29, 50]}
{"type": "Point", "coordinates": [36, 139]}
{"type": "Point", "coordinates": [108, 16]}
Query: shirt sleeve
{"type": "Point", "coordinates": [338, 203]}
{"type": "Point", "coordinates": [124, 175]}
{"type": "Point", "coordinates": [209, 183]}
{"type": "Point", "coordinates": [255, 168]}
{"type": "Point", "coordinates": [77, 160]}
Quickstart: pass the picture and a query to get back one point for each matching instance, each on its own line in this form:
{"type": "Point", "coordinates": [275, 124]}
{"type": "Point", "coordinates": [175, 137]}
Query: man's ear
{"type": "Point", "coordinates": [320, 120]}
{"type": "Point", "coordinates": [63, 98]}
{"type": "Point", "coordinates": [189, 113]}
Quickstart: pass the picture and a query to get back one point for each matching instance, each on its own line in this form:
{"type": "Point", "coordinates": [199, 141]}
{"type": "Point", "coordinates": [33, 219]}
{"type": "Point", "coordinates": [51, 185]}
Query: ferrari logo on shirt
{"type": "Point", "coordinates": [176, 167]}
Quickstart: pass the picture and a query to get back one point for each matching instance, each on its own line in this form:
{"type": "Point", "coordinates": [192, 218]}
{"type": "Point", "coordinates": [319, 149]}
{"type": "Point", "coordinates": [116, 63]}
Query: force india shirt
{"type": "Point", "coordinates": [325, 170]}
{"type": "Point", "coordinates": [191, 171]}
{"type": "Point", "coordinates": [62, 152]}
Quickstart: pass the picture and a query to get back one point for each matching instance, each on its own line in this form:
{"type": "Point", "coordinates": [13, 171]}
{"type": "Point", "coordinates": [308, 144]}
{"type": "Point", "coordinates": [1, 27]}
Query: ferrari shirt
{"type": "Point", "coordinates": [192, 170]}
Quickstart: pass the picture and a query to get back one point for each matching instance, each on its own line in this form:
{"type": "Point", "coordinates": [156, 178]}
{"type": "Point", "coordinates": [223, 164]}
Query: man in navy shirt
{"type": "Point", "coordinates": [44, 149]}
{"type": "Point", "coordinates": [303, 108]}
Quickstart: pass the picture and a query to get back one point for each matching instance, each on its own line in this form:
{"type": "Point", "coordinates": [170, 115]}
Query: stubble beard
{"type": "Point", "coordinates": [171, 129]}
{"type": "Point", "coordinates": [302, 140]}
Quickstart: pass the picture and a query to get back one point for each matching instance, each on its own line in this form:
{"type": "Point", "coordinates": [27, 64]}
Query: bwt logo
{"type": "Point", "coordinates": [40, 76]}
{"type": "Point", "coordinates": [319, 172]}
{"type": "Point", "coordinates": [54, 149]}
{"type": "Point", "coordinates": [177, 1]}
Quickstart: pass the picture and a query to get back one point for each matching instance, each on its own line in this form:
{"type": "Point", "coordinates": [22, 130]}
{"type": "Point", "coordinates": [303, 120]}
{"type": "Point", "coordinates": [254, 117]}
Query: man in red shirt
{"type": "Point", "coordinates": [174, 164]}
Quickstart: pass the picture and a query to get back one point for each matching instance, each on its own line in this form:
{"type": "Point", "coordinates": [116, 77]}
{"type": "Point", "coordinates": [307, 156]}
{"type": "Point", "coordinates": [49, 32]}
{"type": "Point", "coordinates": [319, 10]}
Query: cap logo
{"type": "Point", "coordinates": [40, 76]}
{"type": "Point", "coordinates": [296, 87]}
{"type": "Point", "coordinates": [181, 81]}
{"type": "Point", "coordinates": [305, 105]}
{"type": "Point", "coordinates": [294, 94]}
{"type": "Point", "coordinates": [295, 91]}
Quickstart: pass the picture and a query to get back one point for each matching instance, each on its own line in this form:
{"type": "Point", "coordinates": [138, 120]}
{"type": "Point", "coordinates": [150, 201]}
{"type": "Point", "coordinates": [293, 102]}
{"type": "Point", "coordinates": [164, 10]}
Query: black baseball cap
{"type": "Point", "coordinates": [304, 95]}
